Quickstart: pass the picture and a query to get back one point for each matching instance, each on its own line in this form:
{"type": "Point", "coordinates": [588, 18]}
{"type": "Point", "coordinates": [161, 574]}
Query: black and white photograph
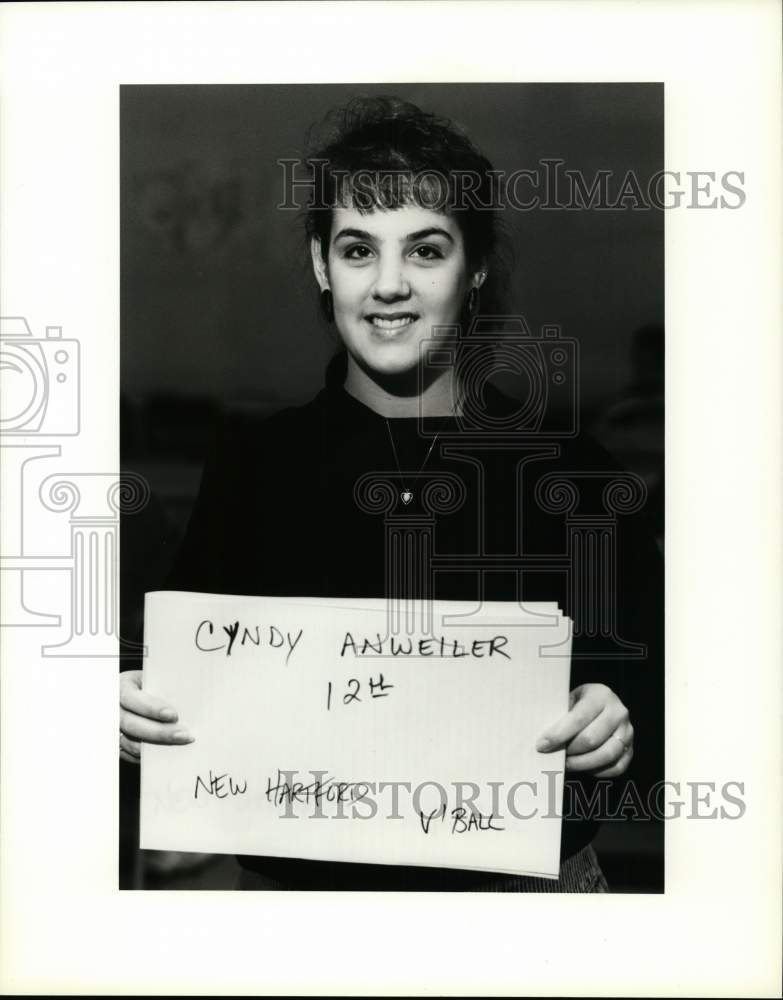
{"type": "Point", "coordinates": [432, 341]}
{"type": "Point", "coordinates": [391, 456]}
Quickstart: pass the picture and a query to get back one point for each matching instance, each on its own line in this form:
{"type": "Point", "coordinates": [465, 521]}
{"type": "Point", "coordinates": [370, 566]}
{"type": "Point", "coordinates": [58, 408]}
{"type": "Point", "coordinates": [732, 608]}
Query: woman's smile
{"type": "Point", "coordinates": [390, 325]}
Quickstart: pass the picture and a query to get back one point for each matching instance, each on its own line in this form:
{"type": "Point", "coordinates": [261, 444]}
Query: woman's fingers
{"type": "Point", "coordinates": [596, 733]}
{"type": "Point", "coordinates": [139, 702]}
{"type": "Point", "coordinates": [144, 718]}
{"type": "Point", "coordinates": [586, 705]}
{"type": "Point", "coordinates": [129, 749]}
{"type": "Point", "coordinates": [614, 755]}
{"type": "Point", "coordinates": [619, 767]}
{"type": "Point", "coordinates": [139, 729]}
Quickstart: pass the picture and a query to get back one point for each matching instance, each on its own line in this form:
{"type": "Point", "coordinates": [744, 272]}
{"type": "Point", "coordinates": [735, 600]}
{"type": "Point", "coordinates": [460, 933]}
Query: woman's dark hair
{"type": "Point", "coordinates": [382, 152]}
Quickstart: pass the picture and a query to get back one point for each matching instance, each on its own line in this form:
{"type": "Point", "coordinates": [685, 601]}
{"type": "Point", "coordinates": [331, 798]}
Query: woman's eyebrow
{"type": "Point", "coordinates": [423, 234]}
{"type": "Point", "coordinates": [355, 234]}
{"type": "Point", "coordinates": [420, 234]}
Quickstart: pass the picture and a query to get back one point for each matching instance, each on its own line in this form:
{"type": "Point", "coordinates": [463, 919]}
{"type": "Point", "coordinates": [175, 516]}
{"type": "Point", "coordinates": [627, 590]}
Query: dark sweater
{"type": "Point", "coordinates": [277, 516]}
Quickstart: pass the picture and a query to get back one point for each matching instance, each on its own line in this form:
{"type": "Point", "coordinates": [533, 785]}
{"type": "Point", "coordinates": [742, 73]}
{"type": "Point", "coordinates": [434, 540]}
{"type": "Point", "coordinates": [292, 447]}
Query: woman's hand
{"type": "Point", "coordinates": [145, 719]}
{"type": "Point", "coordinates": [596, 732]}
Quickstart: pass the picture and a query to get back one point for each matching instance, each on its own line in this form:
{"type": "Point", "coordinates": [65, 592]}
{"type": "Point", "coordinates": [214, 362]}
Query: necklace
{"type": "Point", "coordinates": [406, 495]}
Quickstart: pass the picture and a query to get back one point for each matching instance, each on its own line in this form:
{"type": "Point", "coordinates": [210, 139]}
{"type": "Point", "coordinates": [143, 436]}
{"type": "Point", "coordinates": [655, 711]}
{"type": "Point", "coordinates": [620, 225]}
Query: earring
{"type": "Point", "coordinates": [473, 301]}
{"type": "Point", "coordinates": [327, 305]}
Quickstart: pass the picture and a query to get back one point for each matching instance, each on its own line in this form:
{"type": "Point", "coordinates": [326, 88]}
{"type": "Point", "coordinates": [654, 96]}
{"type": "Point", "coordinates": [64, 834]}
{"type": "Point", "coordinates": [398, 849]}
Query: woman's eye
{"type": "Point", "coordinates": [357, 252]}
{"type": "Point", "coordinates": [427, 252]}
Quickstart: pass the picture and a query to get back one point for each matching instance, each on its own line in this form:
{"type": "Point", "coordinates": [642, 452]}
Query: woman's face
{"type": "Point", "coordinates": [394, 275]}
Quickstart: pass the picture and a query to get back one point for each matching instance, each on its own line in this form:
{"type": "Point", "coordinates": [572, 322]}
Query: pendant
{"type": "Point", "coordinates": [406, 496]}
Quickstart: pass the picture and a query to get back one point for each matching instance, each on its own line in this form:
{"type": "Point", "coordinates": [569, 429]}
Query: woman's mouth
{"type": "Point", "coordinates": [391, 322]}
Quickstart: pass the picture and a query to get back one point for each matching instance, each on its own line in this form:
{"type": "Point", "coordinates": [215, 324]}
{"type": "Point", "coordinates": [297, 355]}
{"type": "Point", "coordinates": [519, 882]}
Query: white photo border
{"type": "Point", "coordinates": [66, 928]}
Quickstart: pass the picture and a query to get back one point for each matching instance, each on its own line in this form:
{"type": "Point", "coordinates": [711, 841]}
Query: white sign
{"type": "Point", "coordinates": [321, 734]}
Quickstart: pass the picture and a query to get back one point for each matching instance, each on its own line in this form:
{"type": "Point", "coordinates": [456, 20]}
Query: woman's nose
{"type": "Point", "coordinates": [390, 281]}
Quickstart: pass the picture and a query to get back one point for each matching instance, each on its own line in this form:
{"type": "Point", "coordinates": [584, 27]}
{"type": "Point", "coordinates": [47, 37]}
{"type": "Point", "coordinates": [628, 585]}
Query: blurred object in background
{"type": "Point", "coordinates": [192, 207]}
{"type": "Point", "coordinates": [632, 426]}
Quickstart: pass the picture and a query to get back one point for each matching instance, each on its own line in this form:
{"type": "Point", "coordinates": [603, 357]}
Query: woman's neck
{"type": "Point", "coordinates": [399, 398]}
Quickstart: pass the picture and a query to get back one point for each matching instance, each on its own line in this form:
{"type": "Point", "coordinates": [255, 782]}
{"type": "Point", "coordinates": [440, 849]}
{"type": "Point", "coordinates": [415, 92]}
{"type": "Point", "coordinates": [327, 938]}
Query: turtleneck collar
{"type": "Point", "coordinates": [341, 404]}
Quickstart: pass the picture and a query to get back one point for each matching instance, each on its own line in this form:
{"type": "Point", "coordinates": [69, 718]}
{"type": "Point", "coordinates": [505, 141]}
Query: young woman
{"type": "Point", "coordinates": [401, 254]}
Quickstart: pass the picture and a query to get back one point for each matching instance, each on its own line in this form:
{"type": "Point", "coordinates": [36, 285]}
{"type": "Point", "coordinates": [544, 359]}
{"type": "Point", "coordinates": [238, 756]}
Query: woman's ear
{"type": "Point", "coordinates": [320, 269]}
